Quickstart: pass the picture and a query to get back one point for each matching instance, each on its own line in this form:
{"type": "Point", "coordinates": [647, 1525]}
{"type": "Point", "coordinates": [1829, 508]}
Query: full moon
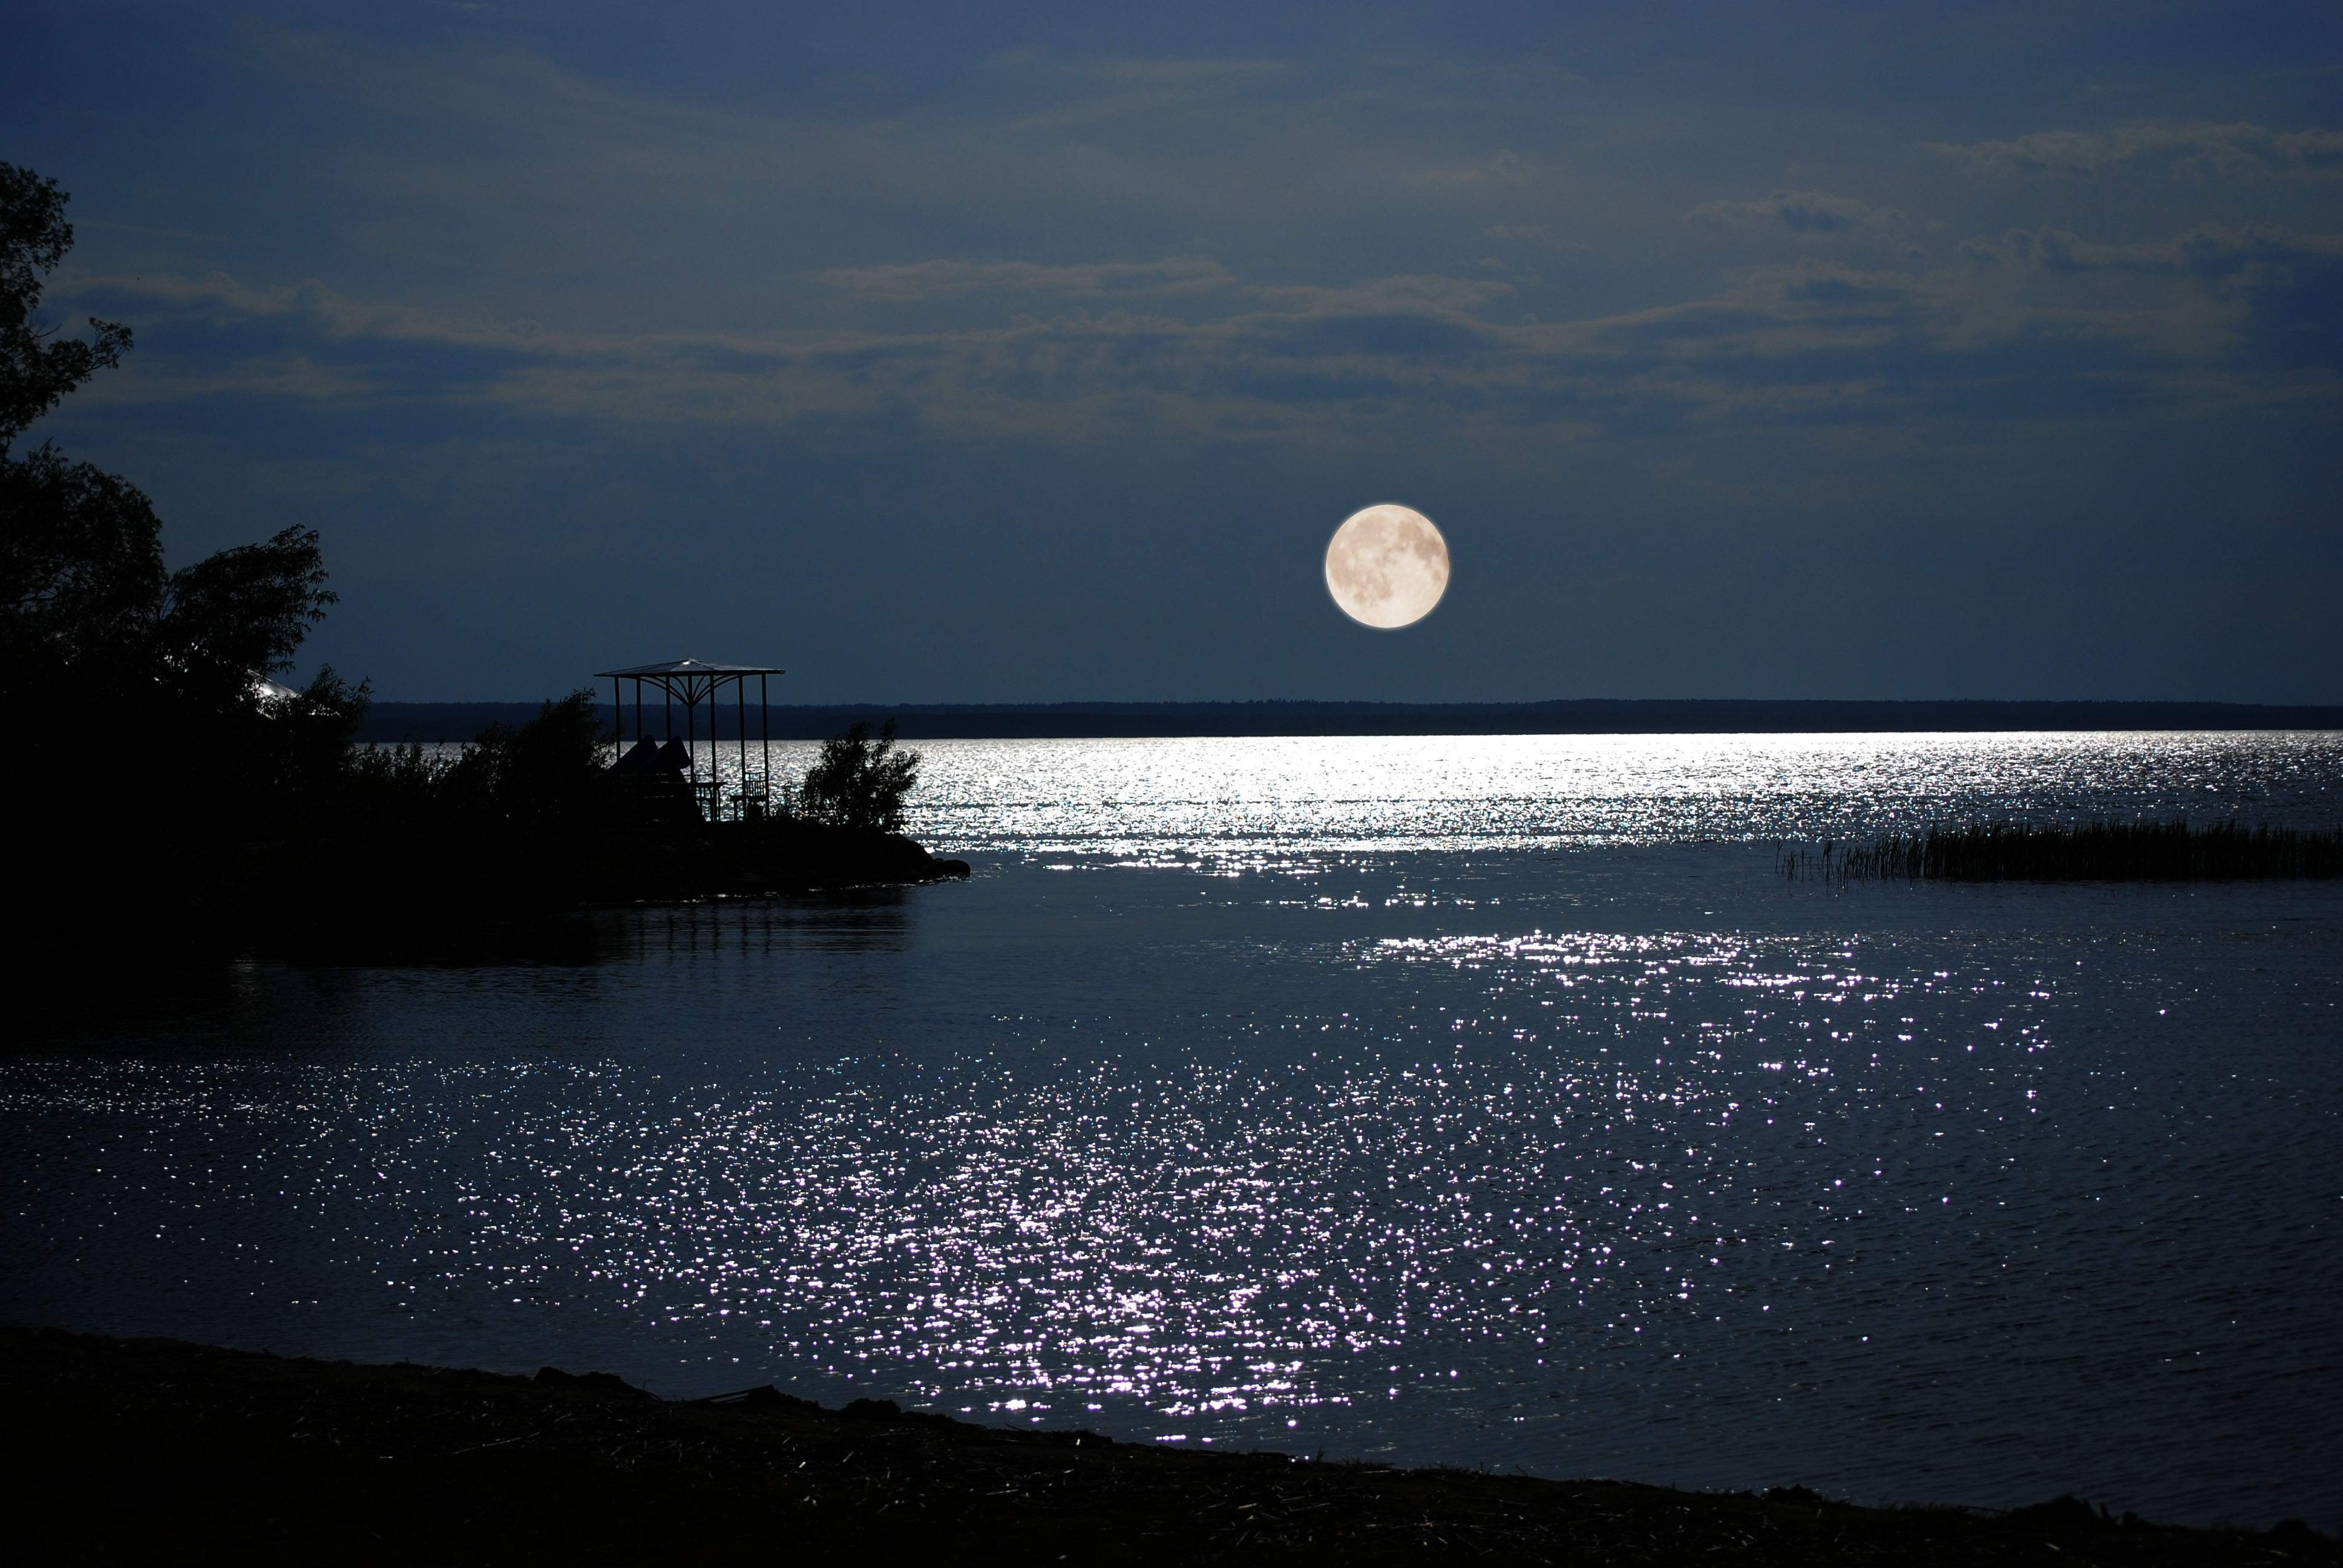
{"type": "Point", "coordinates": [1387, 566]}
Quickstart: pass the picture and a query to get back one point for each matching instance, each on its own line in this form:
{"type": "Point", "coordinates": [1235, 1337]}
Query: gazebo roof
{"type": "Point", "coordinates": [688, 667]}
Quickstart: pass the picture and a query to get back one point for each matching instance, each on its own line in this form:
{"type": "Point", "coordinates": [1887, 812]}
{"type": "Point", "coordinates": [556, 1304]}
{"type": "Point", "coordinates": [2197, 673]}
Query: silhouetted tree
{"type": "Point", "coordinates": [95, 634]}
{"type": "Point", "coordinates": [81, 555]}
{"type": "Point", "coordinates": [298, 760]}
{"type": "Point", "coordinates": [239, 614]}
{"type": "Point", "coordinates": [546, 772]}
{"type": "Point", "coordinates": [857, 782]}
{"type": "Point", "coordinates": [81, 576]}
{"type": "Point", "coordinates": [392, 790]}
{"type": "Point", "coordinates": [36, 373]}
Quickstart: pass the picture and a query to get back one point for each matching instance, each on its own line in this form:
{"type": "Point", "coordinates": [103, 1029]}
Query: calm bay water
{"type": "Point", "coordinates": [1481, 1099]}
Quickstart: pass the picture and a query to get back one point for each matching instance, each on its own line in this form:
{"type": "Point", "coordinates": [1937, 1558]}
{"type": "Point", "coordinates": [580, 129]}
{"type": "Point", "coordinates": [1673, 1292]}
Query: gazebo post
{"type": "Point", "coordinates": [690, 681]}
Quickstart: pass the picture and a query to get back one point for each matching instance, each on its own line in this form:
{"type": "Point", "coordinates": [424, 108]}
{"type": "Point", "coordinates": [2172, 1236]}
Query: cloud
{"type": "Point", "coordinates": [215, 296]}
{"type": "Point", "coordinates": [2256, 296]}
{"type": "Point", "coordinates": [1810, 213]}
{"type": "Point", "coordinates": [1501, 168]}
{"type": "Point", "coordinates": [2194, 148]}
{"type": "Point", "coordinates": [944, 279]}
{"type": "Point", "coordinates": [1404, 293]}
{"type": "Point", "coordinates": [1098, 90]}
{"type": "Point", "coordinates": [2035, 323]}
{"type": "Point", "coordinates": [1534, 235]}
{"type": "Point", "coordinates": [2212, 254]}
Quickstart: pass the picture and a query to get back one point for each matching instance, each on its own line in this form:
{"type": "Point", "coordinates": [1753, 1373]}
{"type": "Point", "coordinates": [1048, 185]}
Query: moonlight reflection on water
{"type": "Point", "coordinates": [1621, 1158]}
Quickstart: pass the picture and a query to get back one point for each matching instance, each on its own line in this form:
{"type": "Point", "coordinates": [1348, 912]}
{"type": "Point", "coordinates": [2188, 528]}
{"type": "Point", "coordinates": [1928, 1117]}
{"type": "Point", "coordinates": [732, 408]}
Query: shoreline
{"type": "Point", "coordinates": [143, 1447]}
{"type": "Point", "coordinates": [405, 893]}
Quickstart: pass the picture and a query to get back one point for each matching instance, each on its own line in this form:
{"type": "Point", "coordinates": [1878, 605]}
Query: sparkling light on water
{"type": "Point", "coordinates": [1355, 793]}
{"type": "Point", "coordinates": [1627, 1160]}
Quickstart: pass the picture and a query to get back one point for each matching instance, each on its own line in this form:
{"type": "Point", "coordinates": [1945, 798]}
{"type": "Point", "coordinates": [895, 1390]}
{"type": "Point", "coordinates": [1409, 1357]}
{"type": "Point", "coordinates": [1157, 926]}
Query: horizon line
{"type": "Point", "coordinates": [1123, 702]}
{"type": "Point", "coordinates": [1099, 718]}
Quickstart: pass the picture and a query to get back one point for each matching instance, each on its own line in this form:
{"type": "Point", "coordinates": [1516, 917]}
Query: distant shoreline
{"type": "Point", "coordinates": [438, 721]}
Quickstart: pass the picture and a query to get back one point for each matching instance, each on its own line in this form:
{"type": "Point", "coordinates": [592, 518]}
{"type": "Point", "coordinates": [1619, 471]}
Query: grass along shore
{"type": "Point", "coordinates": [2075, 852]}
{"type": "Point", "coordinates": [155, 1450]}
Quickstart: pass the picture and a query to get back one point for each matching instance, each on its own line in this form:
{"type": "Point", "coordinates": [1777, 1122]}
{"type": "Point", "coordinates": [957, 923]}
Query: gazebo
{"type": "Point", "coordinates": [691, 682]}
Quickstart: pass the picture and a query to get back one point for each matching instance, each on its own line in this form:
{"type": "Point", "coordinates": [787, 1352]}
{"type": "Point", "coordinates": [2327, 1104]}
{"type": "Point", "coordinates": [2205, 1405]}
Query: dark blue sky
{"type": "Point", "coordinates": [1008, 353]}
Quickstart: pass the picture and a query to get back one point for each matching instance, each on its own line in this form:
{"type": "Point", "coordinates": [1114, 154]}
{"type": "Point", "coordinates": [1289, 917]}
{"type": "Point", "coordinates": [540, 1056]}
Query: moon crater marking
{"type": "Point", "coordinates": [1387, 566]}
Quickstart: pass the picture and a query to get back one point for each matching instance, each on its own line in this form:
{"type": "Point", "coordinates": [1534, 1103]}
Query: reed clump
{"type": "Point", "coordinates": [2075, 852]}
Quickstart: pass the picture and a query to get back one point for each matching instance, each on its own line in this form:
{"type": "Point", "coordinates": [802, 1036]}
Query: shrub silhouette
{"type": "Point", "coordinates": [543, 773]}
{"type": "Point", "coordinates": [858, 782]}
{"type": "Point", "coordinates": [547, 770]}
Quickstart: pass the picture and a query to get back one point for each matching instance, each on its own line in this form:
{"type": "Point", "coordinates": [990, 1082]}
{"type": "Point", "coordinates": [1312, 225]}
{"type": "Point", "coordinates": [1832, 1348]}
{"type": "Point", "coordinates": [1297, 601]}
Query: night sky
{"type": "Point", "coordinates": [1014, 353]}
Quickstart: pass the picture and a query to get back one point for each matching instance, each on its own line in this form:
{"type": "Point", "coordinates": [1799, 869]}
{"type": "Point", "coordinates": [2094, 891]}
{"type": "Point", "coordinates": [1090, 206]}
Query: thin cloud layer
{"type": "Point", "coordinates": [2203, 151]}
{"type": "Point", "coordinates": [1811, 215]}
{"type": "Point", "coordinates": [1785, 343]}
{"type": "Point", "coordinates": [1085, 328]}
{"type": "Point", "coordinates": [945, 278]}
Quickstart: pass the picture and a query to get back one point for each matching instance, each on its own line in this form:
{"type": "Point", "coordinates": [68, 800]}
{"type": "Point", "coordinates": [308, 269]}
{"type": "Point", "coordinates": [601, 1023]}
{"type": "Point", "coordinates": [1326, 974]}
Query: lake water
{"type": "Point", "coordinates": [1486, 1101]}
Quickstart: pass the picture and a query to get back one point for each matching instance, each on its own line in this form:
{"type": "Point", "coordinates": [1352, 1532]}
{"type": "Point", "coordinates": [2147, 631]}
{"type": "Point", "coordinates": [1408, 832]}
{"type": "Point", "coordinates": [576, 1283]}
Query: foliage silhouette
{"type": "Point", "coordinates": [81, 574]}
{"type": "Point", "coordinates": [858, 782]}
{"type": "Point", "coordinates": [545, 772]}
{"type": "Point", "coordinates": [35, 373]}
{"type": "Point", "coordinates": [240, 613]}
{"type": "Point", "coordinates": [100, 638]}
{"type": "Point", "coordinates": [266, 812]}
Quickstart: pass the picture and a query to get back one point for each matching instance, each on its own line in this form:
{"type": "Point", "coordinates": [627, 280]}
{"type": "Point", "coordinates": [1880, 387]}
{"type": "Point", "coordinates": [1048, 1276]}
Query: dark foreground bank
{"type": "Point", "coordinates": [152, 1449]}
{"type": "Point", "coordinates": [409, 896]}
{"type": "Point", "coordinates": [410, 876]}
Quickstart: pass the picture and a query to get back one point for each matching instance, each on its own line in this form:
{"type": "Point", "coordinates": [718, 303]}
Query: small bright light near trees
{"type": "Point", "coordinates": [1387, 566]}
